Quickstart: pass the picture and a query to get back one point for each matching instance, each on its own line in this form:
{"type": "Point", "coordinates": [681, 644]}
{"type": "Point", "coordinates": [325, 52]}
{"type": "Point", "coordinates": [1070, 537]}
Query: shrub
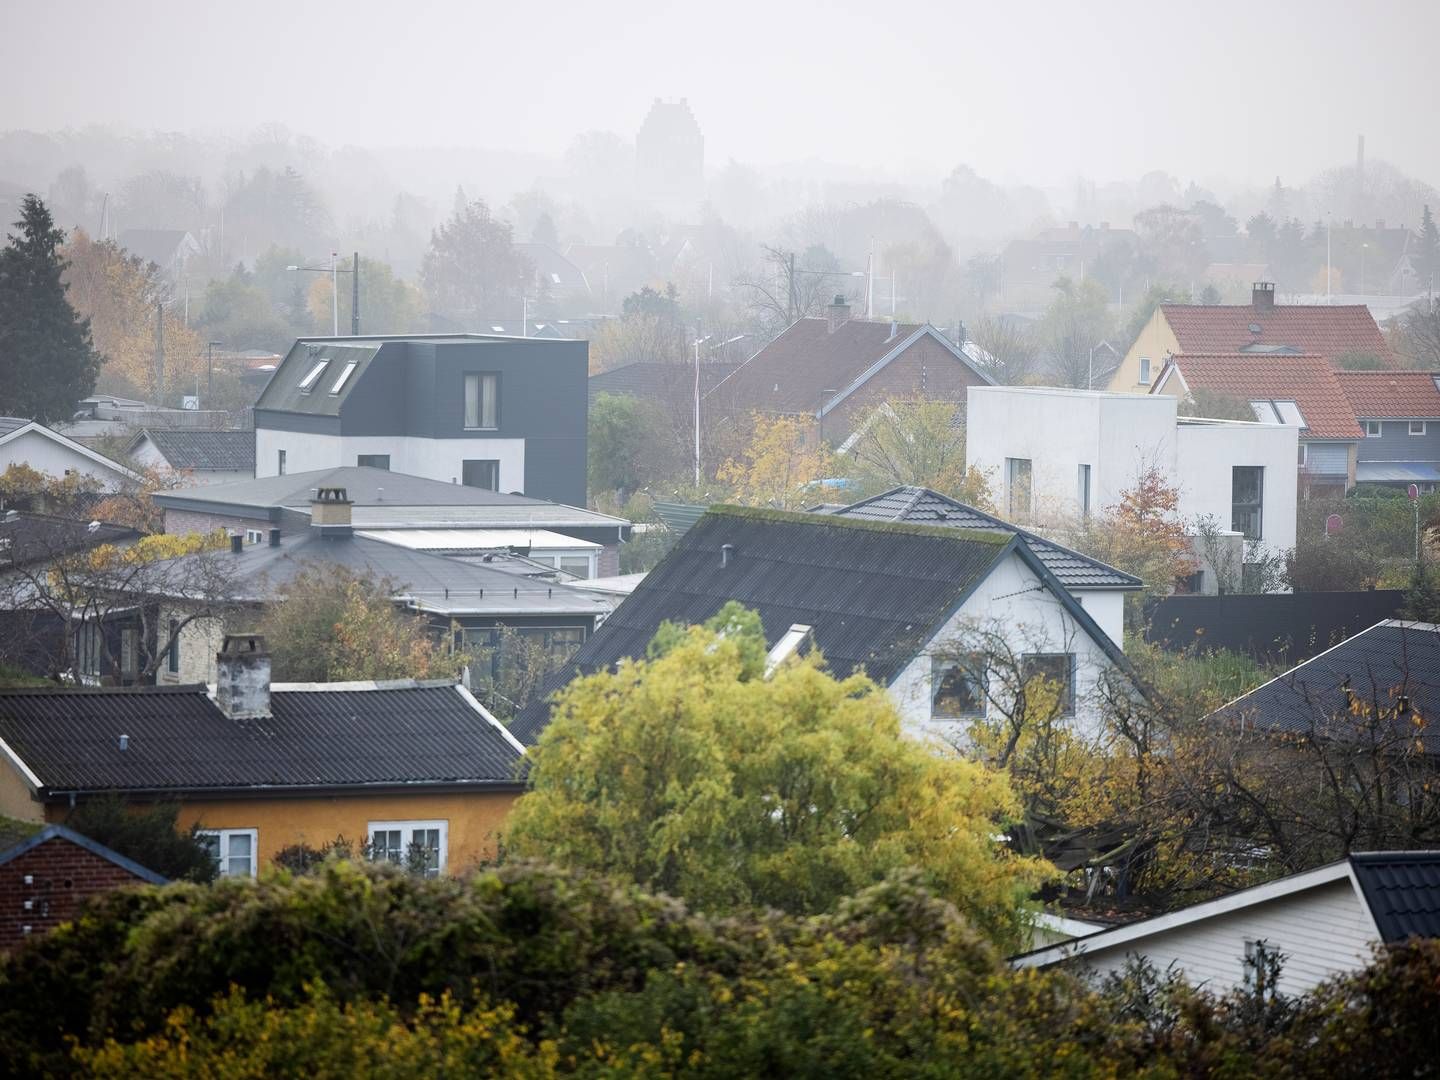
{"type": "Point", "coordinates": [149, 835]}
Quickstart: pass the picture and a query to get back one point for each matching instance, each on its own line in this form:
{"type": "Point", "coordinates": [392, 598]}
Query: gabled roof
{"type": "Point", "coordinates": [160, 246]}
{"type": "Point", "coordinates": [659, 381]}
{"type": "Point", "coordinates": [1402, 889]}
{"type": "Point", "coordinates": [1319, 330]}
{"type": "Point", "coordinates": [809, 369]}
{"type": "Point", "coordinates": [554, 270]}
{"type": "Point", "coordinates": [923, 506]}
{"type": "Point", "coordinates": [1309, 381]}
{"type": "Point", "coordinates": [319, 736]}
{"type": "Point", "coordinates": [1391, 395]}
{"type": "Point", "coordinates": [29, 537]}
{"type": "Point", "coordinates": [184, 448]}
{"type": "Point", "coordinates": [13, 428]}
{"type": "Point", "coordinates": [1390, 659]}
{"type": "Point", "coordinates": [59, 832]}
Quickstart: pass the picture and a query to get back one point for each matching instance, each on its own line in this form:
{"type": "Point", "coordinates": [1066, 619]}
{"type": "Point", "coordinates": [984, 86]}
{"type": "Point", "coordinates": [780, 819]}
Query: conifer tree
{"type": "Point", "coordinates": [47, 360]}
{"type": "Point", "coordinates": [1429, 243]}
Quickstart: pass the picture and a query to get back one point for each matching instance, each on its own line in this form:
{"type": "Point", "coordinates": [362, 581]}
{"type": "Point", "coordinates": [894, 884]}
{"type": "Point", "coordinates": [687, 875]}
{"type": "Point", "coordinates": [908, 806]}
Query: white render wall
{"type": "Point", "coordinates": [1033, 620]}
{"type": "Point", "coordinates": [55, 459]}
{"type": "Point", "coordinates": [435, 459]}
{"type": "Point", "coordinates": [1205, 453]}
{"type": "Point", "coordinates": [1322, 932]}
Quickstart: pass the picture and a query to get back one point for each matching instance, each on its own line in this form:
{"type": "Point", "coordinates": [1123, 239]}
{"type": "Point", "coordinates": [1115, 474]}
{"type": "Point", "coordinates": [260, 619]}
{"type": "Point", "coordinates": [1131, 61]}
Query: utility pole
{"type": "Point", "coordinates": [334, 298]}
{"type": "Point", "coordinates": [355, 295]}
{"type": "Point", "coordinates": [159, 351]}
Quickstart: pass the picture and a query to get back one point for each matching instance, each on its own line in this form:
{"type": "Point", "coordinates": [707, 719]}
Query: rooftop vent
{"type": "Point", "coordinates": [1262, 295]}
{"type": "Point", "coordinates": [727, 552]}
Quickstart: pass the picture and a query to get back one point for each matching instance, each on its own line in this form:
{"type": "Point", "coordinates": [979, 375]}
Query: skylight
{"type": "Point", "coordinates": [1278, 412]}
{"type": "Point", "coordinates": [350, 366]}
{"type": "Point", "coordinates": [315, 372]}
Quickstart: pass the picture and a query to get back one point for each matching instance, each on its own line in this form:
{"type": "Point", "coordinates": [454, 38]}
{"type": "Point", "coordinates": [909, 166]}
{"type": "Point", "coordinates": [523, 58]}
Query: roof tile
{"type": "Point", "coordinates": [1385, 395]}
{"type": "Point", "coordinates": [1309, 381]}
{"type": "Point", "coordinates": [1327, 331]}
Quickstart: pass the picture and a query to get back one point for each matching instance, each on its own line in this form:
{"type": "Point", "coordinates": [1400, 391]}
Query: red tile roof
{"type": "Point", "coordinates": [1309, 381]}
{"type": "Point", "coordinates": [1313, 329]}
{"type": "Point", "coordinates": [1397, 395]}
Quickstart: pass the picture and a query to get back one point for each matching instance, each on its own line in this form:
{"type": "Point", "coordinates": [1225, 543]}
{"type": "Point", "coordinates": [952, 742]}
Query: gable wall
{"type": "Point", "coordinates": [925, 369]}
{"type": "Point", "coordinates": [1157, 341]}
{"type": "Point", "coordinates": [63, 875]}
{"type": "Point", "coordinates": [55, 459]}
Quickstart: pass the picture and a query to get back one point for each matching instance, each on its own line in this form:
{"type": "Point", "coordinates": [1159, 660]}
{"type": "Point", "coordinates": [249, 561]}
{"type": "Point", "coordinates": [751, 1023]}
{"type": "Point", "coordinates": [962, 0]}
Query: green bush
{"type": "Point", "coordinates": [148, 835]}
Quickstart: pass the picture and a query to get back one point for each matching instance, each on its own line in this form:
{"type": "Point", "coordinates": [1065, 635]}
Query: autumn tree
{"type": "Point", "coordinates": [47, 359]}
{"type": "Point", "coordinates": [650, 330]}
{"type": "Point", "coordinates": [694, 772]}
{"type": "Point", "coordinates": [1075, 323]}
{"type": "Point", "coordinates": [915, 441]}
{"type": "Point", "coordinates": [388, 305]}
{"type": "Point", "coordinates": [779, 465]}
{"type": "Point", "coordinates": [472, 271]}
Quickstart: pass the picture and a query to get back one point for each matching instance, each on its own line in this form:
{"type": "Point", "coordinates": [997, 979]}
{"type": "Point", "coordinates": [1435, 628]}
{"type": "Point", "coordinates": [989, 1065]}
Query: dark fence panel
{"type": "Point", "coordinates": [1286, 628]}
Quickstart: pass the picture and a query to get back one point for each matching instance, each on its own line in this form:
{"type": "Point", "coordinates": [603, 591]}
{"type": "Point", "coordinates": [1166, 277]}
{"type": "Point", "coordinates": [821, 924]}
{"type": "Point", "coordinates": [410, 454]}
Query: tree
{"type": "Point", "coordinates": [1427, 263]}
{"type": "Point", "coordinates": [472, 271]}
{"type": "Point", "coordinates": [1144, 309]}
{"type": "Point", "coordinates": [388, 305]}
{"type": "Point", "coordinates": [787, 286]}
{"type": "Point", "coordinates": [1011, 347]}
{"type": "Point", "coordinates": [1172, 242]}
{"type": "Point", "coordinates": [630, 445]}
{"type": "Point", "coordinates": [147, 834]}
{"type": "Point", "coordinates": [1422, 598]}
{"type": "Point", "coordinates": [47, 360]}
{"type": "Point", "coordinates": [695, 773]}
{"type": "Point", "coordinates": [1418, 336]}
{"type": "Point", "coordinates": [331, 624]}
{"type": "Point", "coordinates": [1216, 405]}
{"type": "Point", "coordinates": [916, 441]}
{"type": "Point", "coordinates": [1077, 320]}
{"type": "Point", "coordinates": [780, 464]}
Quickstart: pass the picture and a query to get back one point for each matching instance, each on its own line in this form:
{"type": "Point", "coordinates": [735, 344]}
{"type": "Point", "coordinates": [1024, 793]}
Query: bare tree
{"type": "Point", "coordinates": [1015, 357]}
{"type": "Point", "coordinates": [780, 291]}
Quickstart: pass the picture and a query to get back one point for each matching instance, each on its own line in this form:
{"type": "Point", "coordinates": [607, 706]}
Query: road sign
{"type": "Point", "coordinates": [1332, 524]}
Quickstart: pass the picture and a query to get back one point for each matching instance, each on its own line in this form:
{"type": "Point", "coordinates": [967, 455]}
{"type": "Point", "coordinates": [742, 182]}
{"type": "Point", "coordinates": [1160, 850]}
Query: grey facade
{"type": "Point", "coordinates": [1397, 457]}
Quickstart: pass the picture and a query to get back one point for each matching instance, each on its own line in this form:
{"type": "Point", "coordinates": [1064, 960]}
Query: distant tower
{"type": "Point", "coordinates": [670, 156]}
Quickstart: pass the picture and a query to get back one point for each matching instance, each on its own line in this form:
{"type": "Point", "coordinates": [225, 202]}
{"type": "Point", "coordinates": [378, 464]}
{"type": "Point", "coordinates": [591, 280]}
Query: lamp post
{"type": "Point", "coordinates": [334, 269]}
{"type": "Point", "coordinates": [698, 342]}
{"type": "Point", "coordinates": [209, 369]}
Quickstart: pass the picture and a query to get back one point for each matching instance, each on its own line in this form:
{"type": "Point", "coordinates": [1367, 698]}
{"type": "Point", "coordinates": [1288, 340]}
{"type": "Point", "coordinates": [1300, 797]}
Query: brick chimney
{"type": "Point", "coordinates": [330, 513]}
{"type": "Point", "coordinates": [242, 677]}
{"type": "Point", "coordinates": [837, 314]}
{"type": "Point", "coordinates": [1262, 296]}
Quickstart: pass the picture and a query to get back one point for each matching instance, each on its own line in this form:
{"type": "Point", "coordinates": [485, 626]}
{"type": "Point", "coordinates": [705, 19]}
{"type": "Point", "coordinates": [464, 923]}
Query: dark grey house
{"type": "Point", "coordinates": [502, 413]}
{"type": "Point", "coordinates": [1400, 412]}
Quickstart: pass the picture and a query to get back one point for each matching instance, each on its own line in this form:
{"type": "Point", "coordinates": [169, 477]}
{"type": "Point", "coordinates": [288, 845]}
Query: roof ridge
{"type": "Point", "coordinates": [996, 538]}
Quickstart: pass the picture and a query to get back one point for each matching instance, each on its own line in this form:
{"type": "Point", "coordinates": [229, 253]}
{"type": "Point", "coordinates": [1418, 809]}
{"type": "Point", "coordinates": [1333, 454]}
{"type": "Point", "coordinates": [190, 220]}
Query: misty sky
{"type": "Point", "coordinates": [1040, 92]}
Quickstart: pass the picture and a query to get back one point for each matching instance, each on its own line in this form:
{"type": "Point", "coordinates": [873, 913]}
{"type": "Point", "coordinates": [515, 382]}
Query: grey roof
{"type": "Point", "coordinates": [202, 450]}
{"type": "Point", "coordinates": [59, 832]}
{"type": "Point", "coordinates": [1402, 889]}
{"type": "Point", "coordinates": [327, 736]}
{"type": "Point", "coordinates": [382, 498]}
{"type": "Point", "coordinates": [659, 381]}
{"type": "Point", "coordinates": [926, 507]}
{"type": "Point", "coordinates": [11, 423]}
{"type": "Point", "coordinates": [153, 245]}
{"type": "Point", "coordinates": [1380, 665]}
{"type": "Point", "coordinates": [29, 537]}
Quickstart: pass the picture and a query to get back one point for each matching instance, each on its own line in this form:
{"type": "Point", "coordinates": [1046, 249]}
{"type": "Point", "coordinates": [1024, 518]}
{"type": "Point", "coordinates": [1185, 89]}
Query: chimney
{"type": "Point", "coordinates": [237, 543]}
{"type": "Point", "coordinates": [242, 677]}
{"type": "Point", "coordinates": [274, 537]}
{"type": "Point", "coordinates": [330, 513]}
{"type": "Point", "coordinates": [1262, 295]}
{"type": "Point", "coordinates": [837, 314]}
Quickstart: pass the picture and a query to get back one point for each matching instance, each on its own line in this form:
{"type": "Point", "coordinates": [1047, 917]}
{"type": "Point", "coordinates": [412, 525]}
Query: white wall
{"type": "Point", "coordinates": [1034, 621]}
{"type": "Point", "coordinates": [1106, 607]}
{"type": "Point", "coordinates": [1322, 932]}
{"type": "Point", "coordinates": [436, 459]}
{"type": "Point", "coordinates": [55, 459]}
{"type": "Point", "coordinates": [1206, 452]}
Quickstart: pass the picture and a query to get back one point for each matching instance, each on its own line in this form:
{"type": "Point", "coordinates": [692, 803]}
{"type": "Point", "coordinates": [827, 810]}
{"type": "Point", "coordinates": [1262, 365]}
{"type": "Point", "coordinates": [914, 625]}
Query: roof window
{"type": "Point", "coordinates": [349, 369]}
{"type": "Point", "coordinates": [1278, 412]}
{"type": "Point", "coordinates": [308, 382]}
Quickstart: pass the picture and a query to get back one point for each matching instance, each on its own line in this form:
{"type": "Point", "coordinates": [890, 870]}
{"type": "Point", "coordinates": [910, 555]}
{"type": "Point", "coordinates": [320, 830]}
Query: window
{"type": "Point", "coordinates": [280, 463]}
{"type": "Point", "coordinates": [88, 649]}
{"type": "Point", "coordinates": [232, 849]}
{"type": "Point", "coordinates": [957, 687]}
{"type": "Point", "coordinates": [1301, 454]}
{"type": "Point", "coordinates": [419, 846]}
{"type": "Point", "coordinates": [1417, 427]}
{"type": "Point", "coordinates": [1057, 668]}
{"type": "Point", "coordinates": [1083, 495]}
{"type": "Point", "coordinates": [1278, 412]}
{"type": "Point", "coordinates": [579, 565]}
{"type": "Point", "coordinates": [1373, 429]}
{"type": "Point", "coordinates": [253, 536]}
{"type": "Point", "coordinates": [1017, 487]}
{"type": "Point", "coordinates": [129, 652]}
{"type": "Point", "coordinates": [345, 373]}
{"type": "Point", "coordinates": [373, 461]}
{"type": "Point", "coordinates": [308, 382]}
{"type": "Point", "coordinates": [1144, 369]}
{"type": "Point", "coordinates": [481, 392]}
{"type": "Point", "coordinates": [1262, 962]}
{"type": "Point", "coordinates": [1247, 491]}
{"type": "Point", "coordinates": [172, 649]}
{"type": "Point", "coordinates": [481, 474]}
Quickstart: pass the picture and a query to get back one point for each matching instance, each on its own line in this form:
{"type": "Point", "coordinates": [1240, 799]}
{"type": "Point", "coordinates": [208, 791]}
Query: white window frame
{"type": "Point", "coordinates": [344, 376]}
{"type": "Point", "coordinates": [313, 376]}
{"type": "Point", "coordinates": [253, 536]}
{"type": "Point", "coordinates": [1373, 429]}
{"type": "Point", "coordinates": [223, 856]}
{"type": "Point", "coordinates": [409, 828]}
{"type": "Point", "coordinates": [1145, 372]}
{"type": "Point", "coordinates": [1412, 427]}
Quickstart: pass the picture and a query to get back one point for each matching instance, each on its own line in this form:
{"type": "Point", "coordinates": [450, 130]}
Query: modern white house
{"type": "Point", "coordinates": [1320, 923]}
{"type": "Point", "coordinates": [1055, 455]}
{"type": "Point", "coordinates": [26, 442]}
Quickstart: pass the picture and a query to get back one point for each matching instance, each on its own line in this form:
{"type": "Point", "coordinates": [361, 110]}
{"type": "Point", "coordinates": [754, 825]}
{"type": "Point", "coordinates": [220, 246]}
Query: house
{"type": "Point", "coordinates": [1261, 328]}
{"type": "Point", "coordinates": [1057, 455]}
{"type": "Point", "coordinates": [1030, 266]}
{"type": "Point", "coordinates": [46, 878]}
{"type": "Point", "coordinates": [1320, 923]}
{"type": "Point", "coordinates": [204, 456]}
{"type": "Point", "coordinates": [614, 271]}
{"type": "Point", "coordinates": [420, 770]}
{"type": "Point", "coordinates": [557, 278]}
{"type": "Point", "coordinates": [1099, 589]}
{"type": "Point", "coordinates": [1303, 392]}
{"type": "Point", "coordinates": [831, 370]}
{"type": "Point", "coordinates": [26, 442]}
{"type": "Point", "coordinates": [169, 249]}
{"type": "Point", "coordinates": [669, 385]}
{"type": "Point", "coordinates": [905, 603]}
{"type": "Point", "coordinates": [1399, 412]}
{"type": "Point", "coordinates": [399, 505]}
{"type": "Point", "coordinates": [501, 413]}
{"type": "Point", "coordinates": [105, 416]}
{"type": "Point", "coordinates": [468, 599]}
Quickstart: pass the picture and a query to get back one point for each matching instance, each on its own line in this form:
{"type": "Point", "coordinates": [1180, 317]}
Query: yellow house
{"type": "Point", "coordinates": [418, 770]}
{"type": "Point", "coordinates": [1141, 364]}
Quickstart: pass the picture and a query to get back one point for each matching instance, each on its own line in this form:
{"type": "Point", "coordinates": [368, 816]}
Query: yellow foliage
{"type": "Point", "coordinates": [156, 547]}
{"type": "Point", "coordinates": [778, 463]}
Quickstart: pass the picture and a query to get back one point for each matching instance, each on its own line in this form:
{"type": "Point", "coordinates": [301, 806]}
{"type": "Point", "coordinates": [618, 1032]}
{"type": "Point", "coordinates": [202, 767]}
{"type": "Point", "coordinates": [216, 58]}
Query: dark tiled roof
{"type": "Point", "coordinates": [655, 381]}
{"type": "Point", "coordinates": [398, 734]}
{"type": "Point", "coordinates": [185, 449]}
{"type": "Point", "coordinates": [9, 424]}
{"type": "Point", "coordinates": [874, 593]}
{"type": "Point", "coordinates": [1390, 659]}
{"type": "Point", "coordinates": [1402, 889]}
{"type": "Point", "coordinates": [37, 537]}
{"type": "Point", "coordinates": [1401, 395]}
{"type": "Point", "coordinates": [922, 506]}
{"type": "Point", "coordinates": [1323, 331]}
{"type": "Point", "coordinates": [1309, 381]}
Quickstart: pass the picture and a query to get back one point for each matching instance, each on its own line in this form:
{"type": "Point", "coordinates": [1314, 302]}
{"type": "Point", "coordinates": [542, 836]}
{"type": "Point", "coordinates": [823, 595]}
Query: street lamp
{"type": "Point", "coordinates": [333, 270]}
{"type": "Point", "coordinates": [698, 342]}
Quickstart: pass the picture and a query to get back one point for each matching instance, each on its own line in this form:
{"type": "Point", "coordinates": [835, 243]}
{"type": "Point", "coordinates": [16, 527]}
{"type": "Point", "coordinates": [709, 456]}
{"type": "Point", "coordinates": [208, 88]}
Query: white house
{"type": "Point", "coordinates": [25, 442]}
{"type": "Point", "coordinates": [1321, 923]}
{"type": "Point", "coordinates": [201, 456]}
{"type": "Point", "coordinates": [1054, 455]}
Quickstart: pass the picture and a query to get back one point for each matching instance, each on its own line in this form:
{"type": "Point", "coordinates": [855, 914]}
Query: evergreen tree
{"type": "Point", "coordinates": [1428, 261]}
{"type": "Point", "coordinates": [1422, 599]}
{"type": "Point", "coordinates": [47, 361]}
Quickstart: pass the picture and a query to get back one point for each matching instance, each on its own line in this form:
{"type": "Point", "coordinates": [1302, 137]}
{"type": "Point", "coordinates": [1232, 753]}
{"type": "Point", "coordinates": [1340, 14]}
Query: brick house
{"type": "Point", "coordinates": [832, 370]}
{"type": "Point", "coordinates": [45, 879]}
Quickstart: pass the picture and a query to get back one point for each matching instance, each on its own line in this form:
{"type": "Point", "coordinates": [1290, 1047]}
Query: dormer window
{"type": "Point", "coordinates": [313, 375]}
